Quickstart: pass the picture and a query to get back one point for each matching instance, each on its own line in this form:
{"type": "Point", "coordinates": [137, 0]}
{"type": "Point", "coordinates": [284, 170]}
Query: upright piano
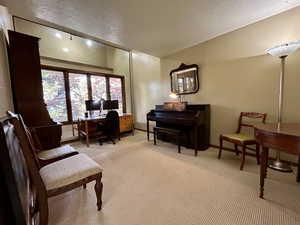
{"type": "Point", "coordinates": [194, 122]}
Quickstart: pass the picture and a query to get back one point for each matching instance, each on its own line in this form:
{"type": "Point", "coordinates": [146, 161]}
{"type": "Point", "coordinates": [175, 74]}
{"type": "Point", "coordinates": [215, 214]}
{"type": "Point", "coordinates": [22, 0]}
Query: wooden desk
{"type": "Point", "coordinates": [87, 126]}
{"type": "Point", "coordinates": [285, 139]}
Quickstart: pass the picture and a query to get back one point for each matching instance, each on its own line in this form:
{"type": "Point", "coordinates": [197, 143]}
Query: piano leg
{"type": "Point", "coordinates": [154, 135]}
{"type": "Point", "coordinates": [196, 141]}
{"type": "Point", "coordinates": [148, 130]}
{"type": "Point", "coordinates": [178, 143]}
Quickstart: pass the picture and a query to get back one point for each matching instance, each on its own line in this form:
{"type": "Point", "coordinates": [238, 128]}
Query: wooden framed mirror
{"type": "Point", "coordinates": [184, 79]}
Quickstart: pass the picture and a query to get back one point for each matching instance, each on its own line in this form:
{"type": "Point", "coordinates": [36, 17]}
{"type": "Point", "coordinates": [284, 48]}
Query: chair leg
{"type": "Point", "coordinates": [243, 157]}
{"type": "Point", "coordinates": [112, 140]}
{"type": "Point", "coordinates": [298, 170]}
{"type": "Point", "coordinates": [99, 190]}
{"type": "Point", "coordinates": [221, 146]}
{"type": "Point", "coordinates": [257, 154]}
{"type": "Point", "coordinates": [154, 136]}
{"type": "Point", "coordinates": [236, 149]}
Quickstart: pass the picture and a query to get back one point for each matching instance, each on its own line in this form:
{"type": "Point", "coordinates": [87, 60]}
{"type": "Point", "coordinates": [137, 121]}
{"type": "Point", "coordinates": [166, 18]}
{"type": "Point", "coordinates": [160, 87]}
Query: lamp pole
{"type": "Point", "coordinates": [282, 51]}
{"type": "Point", "coordinates": [277, 164]}
{"type": "Point", "coordinates": [281, 82]}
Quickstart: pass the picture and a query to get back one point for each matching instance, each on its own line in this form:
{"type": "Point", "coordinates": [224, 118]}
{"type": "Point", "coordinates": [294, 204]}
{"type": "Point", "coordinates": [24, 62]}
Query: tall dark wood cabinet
{"type": "Point", "coordinates": [26, 81]}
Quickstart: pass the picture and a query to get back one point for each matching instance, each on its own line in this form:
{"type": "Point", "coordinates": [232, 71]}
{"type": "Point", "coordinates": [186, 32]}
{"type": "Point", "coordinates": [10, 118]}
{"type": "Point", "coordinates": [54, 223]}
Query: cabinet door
{"type": "Point", "coordinates": [126, 123]}
{"type": "Point", "coordinates": [26, 79]}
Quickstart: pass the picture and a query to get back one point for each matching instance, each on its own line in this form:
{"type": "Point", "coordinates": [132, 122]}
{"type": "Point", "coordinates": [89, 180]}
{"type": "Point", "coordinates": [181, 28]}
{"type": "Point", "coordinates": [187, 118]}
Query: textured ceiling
{"type": "Point", "coordinates": [156, 27]}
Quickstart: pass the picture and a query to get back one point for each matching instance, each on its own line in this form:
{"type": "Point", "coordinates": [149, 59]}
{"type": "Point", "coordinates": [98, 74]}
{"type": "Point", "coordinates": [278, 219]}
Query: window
{"type": "Point", "coordinates": [98, 87]}
{"type": "Point", "coordinates": [116, 91]}
{"type": "Point", "coordinates": [65, 91]}
{"type": "Point", "coordinates": [55, 94]}
{"type": "Point", "coordinates": [78, 94]}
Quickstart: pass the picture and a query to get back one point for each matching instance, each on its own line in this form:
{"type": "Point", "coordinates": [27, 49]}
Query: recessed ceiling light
{"type": "Point", "coordinates": [58, 35]}
{"type": "Point", "coordinates": [291, 1]}
{"type": "Point", "coordinates": [89, 43]}
{"type": "Point", "coordinates": [65, 49]}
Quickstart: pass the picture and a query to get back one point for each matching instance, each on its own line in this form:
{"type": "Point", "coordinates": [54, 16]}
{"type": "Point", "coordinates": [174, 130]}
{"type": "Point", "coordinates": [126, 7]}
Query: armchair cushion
{"type": "Point", "coordinates": [239, 137]}
{"type": "Point", "coordinates": [68, 171]}
{"type": "Point", "coordinates": [62, 151]}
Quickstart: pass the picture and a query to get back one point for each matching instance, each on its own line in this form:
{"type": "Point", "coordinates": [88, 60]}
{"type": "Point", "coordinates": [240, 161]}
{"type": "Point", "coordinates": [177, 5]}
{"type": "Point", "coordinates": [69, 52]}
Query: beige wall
{"type": "Point", "coordinates": [119, 60]}
{"type": "Point", "coordinates": [236, 75]}
{"type": "Point", "coordinates": [146, 85]}
{"type": "Point", "coordinates": [5, 91]}
{"type": "Point", "coordinates": [51, 46]}
{"type": "Point", "coordinates": [99, 55]}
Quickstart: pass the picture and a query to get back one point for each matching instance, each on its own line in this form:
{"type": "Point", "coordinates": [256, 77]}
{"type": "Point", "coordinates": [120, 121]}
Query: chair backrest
{"type": "Point", "coordinates": [260, 117]}
{"type": "Point", "coordinates": [30, 139]}
{"type": "Point", "coordinates": [15, 177]}
{"type": "Point", "coordinates": [40, 199]}
{"type": "Point", "coordinates": [112, 122]}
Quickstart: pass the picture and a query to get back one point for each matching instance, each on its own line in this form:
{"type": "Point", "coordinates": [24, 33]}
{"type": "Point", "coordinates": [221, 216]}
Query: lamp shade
{"type": "Point", "coordinates": [173, 95]}
{"type": "Point", "coordinates": [284, 49]}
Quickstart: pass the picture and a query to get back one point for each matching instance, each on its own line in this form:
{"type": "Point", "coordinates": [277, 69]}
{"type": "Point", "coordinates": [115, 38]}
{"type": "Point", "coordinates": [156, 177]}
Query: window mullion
{"type": "Point", "coordinates": [108, 96]}
{"type": "Point", "coordinates": [89, 86]}
{"type": "Point", "coordinates": [68, 96]}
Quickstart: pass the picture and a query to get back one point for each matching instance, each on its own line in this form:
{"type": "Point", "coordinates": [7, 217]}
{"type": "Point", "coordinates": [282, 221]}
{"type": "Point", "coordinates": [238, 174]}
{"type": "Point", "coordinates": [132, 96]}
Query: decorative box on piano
{"type": "Point", "coordinates": [193, 121]}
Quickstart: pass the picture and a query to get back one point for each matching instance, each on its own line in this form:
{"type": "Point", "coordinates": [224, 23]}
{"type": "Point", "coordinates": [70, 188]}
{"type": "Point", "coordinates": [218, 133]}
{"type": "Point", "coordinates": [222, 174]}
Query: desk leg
{"type": "Point", "coordinates": [78, 130]}
{"type": "Point", "coordinates": [73, 132]}
{"type": "Point", "coordinates": [148, 130]}
{"type": "Point", "coordinates": [87, 133]}
{"type": "Point", "coordinates": [132, 129]}
{"type": "Point", "coordinates": [263, 170]}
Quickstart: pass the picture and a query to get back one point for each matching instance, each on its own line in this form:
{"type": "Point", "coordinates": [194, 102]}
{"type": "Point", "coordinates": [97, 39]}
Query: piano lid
{"type": "Point", "coordinates": [189, 107]}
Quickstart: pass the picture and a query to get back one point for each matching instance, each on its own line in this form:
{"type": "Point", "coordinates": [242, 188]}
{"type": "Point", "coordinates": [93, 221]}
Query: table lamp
{"type": "Point", "coordinates": [174, 95]}
{"type": "Point", "coordinates": [281, 51]}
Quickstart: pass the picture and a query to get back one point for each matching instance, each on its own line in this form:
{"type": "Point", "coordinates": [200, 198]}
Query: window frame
{"type": "Point", "coordinates": [88, 74]}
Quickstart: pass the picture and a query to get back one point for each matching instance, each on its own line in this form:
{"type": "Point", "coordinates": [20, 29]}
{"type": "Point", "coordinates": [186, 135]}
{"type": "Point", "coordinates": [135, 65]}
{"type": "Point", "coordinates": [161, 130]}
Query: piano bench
{"type": "Point", "coordinates": [175, 132]}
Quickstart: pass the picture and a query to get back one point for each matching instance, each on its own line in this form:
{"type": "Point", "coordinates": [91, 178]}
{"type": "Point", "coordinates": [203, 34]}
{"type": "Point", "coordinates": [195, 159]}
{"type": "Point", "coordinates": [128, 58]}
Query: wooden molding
{"type": "Point", "coordinates": [76, 63]}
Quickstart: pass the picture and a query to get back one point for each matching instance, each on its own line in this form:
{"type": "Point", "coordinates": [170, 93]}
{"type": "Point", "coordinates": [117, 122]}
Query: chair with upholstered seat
{"type": "Point", "coordinates": [243, 140]}
{"type": "Point", "coordinates": [57, 177]}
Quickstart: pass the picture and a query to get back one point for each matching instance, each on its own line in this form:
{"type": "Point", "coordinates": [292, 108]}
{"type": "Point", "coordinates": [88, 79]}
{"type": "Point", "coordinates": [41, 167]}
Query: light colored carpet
{"type": "Point", "coordinates": [154, 185]}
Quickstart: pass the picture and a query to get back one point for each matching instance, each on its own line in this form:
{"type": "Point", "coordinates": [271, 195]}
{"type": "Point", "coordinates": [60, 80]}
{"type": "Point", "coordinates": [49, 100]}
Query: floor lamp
{"type": "Point", "coordinates": [281, 51]}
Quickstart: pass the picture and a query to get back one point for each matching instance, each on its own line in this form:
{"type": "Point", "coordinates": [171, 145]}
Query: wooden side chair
{"type": "Point", "coordinates": [16, 191]}
{"type": "Point", "coordinates": [58, 177]}
{"type": "Point", "coordinates": [243, 140]}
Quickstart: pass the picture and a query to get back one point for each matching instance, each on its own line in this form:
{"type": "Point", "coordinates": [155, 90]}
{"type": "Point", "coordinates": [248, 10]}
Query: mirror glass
{"type": "Point", "coordinates": [184, 80]}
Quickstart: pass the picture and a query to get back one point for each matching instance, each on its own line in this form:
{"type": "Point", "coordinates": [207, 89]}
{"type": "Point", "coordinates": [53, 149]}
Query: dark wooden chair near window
{"type": "Point", "coordinates": [110, 128]}
{"type": "Point", "coordinates": [243, 140]}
